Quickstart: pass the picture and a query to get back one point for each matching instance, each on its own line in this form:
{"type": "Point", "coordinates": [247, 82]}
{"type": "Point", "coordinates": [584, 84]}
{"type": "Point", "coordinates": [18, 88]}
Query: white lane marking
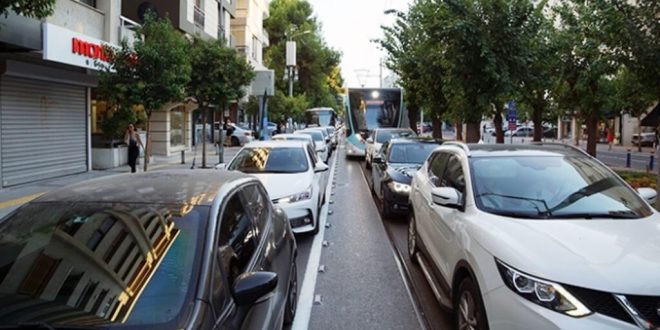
{"type": "Point", "coordinates": [306, 296]}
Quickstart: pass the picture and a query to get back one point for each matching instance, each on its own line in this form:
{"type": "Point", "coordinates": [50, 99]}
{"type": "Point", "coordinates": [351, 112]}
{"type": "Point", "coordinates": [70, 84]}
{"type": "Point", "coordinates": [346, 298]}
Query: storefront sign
{"type": "Point", "coordinates": [65, 46]}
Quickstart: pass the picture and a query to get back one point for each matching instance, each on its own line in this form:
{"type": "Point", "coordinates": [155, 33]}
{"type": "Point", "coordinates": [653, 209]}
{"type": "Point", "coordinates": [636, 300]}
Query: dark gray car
{"type": "Point", "coordinates": [167, 250]}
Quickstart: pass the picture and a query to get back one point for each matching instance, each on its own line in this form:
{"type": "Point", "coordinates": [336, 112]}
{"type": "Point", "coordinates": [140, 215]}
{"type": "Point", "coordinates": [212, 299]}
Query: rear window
{"type": "Point", "coordinates": [270, 160]}
{"type": "Point", "coordinates": [100, 264]}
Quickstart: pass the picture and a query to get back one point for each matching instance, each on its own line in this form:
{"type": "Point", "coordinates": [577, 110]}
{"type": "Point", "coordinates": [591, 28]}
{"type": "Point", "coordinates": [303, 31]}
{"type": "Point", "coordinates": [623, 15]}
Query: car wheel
{"type": "Point", "coordinates": [317, 225]}
{"type": "Point", "coordinates": [292, 296]}
{"type": "Point", "coordinates": [469, 307]}
{"type": "Point", "coordinates": [384, 208]}
{"type": "Point", "coordinates": [235, 142]}
{"type": "Point", "coordinates": [412, 239]}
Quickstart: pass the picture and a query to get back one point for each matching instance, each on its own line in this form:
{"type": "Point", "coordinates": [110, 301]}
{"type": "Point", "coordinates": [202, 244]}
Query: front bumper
{"type": "Point", "coordinates": [302, 215]}
{"type": "Point", "coordinates": [352, 150]}
{"type": "Point", "coordinates": [397, 202]}
{"type": "Point", "coordinates": [508, 311]}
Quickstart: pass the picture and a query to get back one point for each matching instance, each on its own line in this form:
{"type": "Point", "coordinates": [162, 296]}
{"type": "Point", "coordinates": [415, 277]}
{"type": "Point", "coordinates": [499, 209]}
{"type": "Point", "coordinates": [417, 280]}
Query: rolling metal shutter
{"type": "Point", "coordinates": [43, 131]}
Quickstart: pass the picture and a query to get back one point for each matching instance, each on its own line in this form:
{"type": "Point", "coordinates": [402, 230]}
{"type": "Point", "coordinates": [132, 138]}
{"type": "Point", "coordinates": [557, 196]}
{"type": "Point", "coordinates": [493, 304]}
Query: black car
{"type": "Point", "coordinates": [157, 250]}
{"type": "Point", "coordinates": [392, 171]}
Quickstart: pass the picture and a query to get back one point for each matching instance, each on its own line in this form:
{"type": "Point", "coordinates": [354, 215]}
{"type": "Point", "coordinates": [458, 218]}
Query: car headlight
{"type": "Point", "coordinates": [400, 188]}
{"type": "Point", "coordinates": [301, 196]}
{"type": "Point", "coordinates": [541, 292]}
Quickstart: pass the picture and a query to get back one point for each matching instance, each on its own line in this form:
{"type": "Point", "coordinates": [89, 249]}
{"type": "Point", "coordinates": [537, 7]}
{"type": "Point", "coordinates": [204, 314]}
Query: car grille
{"type": "Point", "coordinates": [604, 303]}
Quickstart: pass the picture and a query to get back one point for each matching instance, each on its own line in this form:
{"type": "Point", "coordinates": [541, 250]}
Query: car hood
{"type": "Point", "coordinates": [618, 256]}
{"type": "Point", "coordinates": [402, 172]}
{"type": "Point", "coordinates": [281, 185]}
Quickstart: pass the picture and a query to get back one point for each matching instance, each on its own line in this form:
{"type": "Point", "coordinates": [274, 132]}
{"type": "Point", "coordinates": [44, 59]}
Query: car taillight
{"type": "Point", "coordinates": [248, 133]}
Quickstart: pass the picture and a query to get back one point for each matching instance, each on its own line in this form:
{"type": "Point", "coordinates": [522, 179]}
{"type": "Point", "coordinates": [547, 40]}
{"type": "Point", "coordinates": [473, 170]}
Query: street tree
{"type": "Point", "coordinates": [587, 62]}
{"type": "Point", "coordinates": [151, 73]}
{"type": "Point", "coordinates": [319, 80]}
{"type": "Point", "coordinates": [219, 75]}
{"type": "Point", "coordinates": [30, 8]}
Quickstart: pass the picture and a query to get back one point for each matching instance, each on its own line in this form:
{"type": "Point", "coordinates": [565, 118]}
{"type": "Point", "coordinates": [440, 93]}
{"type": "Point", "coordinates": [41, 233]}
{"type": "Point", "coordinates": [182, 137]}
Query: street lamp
{"type": "Point", "coordinates": [291, 58]}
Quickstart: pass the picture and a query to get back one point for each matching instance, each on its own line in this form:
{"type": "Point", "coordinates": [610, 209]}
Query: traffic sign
{"type": "Point", "coordinates": [512, 116]}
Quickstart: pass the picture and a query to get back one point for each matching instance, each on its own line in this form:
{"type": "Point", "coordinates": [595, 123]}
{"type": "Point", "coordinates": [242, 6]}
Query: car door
{"type": "Point", "coordinates": [378, 171]}
{"type": "Point", "coordinates": [237, 251]}
{"type": "Point", "coordinates": [423, 203]}
{"type": "Point", "coordinates": [446, 221]}
{"type": "Point", "coordinates": [320, 178]}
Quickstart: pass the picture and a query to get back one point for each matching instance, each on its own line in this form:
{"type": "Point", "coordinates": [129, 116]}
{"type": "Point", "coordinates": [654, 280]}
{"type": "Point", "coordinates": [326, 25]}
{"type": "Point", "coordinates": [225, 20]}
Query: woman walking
{"type": "Point", "coordinates": [132, 139]}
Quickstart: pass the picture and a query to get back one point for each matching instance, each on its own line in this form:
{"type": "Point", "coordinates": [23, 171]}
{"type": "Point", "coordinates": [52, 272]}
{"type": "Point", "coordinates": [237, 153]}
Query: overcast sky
{"type": "Point", "coordinates": [348, 26]}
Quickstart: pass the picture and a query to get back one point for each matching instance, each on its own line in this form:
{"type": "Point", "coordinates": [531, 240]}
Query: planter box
{"type": "Point", "coordinates": [107, 158]}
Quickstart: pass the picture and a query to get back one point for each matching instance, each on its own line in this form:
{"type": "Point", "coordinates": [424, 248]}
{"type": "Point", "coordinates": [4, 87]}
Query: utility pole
{"type": "Point", "coordinates": [380, 73]}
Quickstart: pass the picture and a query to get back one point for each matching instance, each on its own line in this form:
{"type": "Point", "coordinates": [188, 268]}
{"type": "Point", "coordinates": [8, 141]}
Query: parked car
{"type": "Point", "coordinates": [648, 139]}
{"type": "Point", "coordinates": [333, 136]}
{"type": "Point", "coordinates": [521, 131]}
{"type": "Point", "coordinates": [319, 141]}
{"type": "Point", "coordinates": [293, 176]}
{"type": "Point", "coordinates": [295, 137]}
{"type": "Point", "coordinates": [381, 135]}
{"type": "Point", "coordinates": [158, 250]}
{"type": "Point", "coordinates": [545, 228]}
{"type": "Point", "coordinates": [326, 136]}
{"type": "Point", "coordinates": [239, 137]}
{"type": "Point", "coordinates": [550, 133]}
{"type": "Point", "coordinates": [393, 168]}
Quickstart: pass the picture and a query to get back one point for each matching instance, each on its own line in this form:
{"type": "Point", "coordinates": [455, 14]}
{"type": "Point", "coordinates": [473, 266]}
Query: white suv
{"type": "Point", "coordinates": [534, 237]}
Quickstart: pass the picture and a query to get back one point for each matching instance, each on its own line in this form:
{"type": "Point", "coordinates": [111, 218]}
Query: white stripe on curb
{"type": "Point", "coordinates": [306, 297]}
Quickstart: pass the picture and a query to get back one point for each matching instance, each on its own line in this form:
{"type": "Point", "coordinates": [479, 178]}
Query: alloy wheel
{"type": "Point", "coordinates": [412, 238]}
{"type": "Point", "coordinates": [467, 315]}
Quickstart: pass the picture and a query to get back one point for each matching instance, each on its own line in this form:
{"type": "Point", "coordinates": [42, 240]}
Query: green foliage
{"type": "Point", "coordinates": [219, 74]}
{"type": "Point", "coordinates": [319, 78]}
{"type": "Point", "coordinates": [114, 127]}
{"type": "Point", "coordinates": [281, 106]}
{"type": "Point", "coordinates": [30, 8]}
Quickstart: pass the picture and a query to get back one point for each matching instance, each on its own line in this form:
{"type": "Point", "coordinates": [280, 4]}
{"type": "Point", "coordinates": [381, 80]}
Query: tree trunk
{"type": "Point", "coordinates": [147, 144]}
{"type": "Point", "coordinates": [437, 127]}
{"type": "Point", "coordinates": [413, 118]}
{"type": "Point", "coordinates": [592, 133]}
{"type": "Point", "coordinates": [537, 118]}
{"type": "Point", "coordinates": [498, 120]}
{"type": "Point", "coordinates": [203, 136]}
{"type": "Point", "coordinates": [639, 134]}
{"type": "Point", "coordinates": [459, 131]}
{"type": "Point", "coordinates": [473, 132]}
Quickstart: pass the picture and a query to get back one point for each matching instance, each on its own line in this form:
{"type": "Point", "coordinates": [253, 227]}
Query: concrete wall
{"type": "Point", "coordinates": [80, 18]}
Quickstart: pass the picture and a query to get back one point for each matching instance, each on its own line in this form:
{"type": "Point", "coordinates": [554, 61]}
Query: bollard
{"type": "Point", "coordinates": [628, 158]}
{"type": "Point", "coordinates": [651, 161]}
{"type": "Point", "coordinates": [183, 156]}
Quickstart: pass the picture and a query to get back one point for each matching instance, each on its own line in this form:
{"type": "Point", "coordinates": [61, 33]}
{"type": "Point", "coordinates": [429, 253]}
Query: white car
{"type": "Point", "coordinates": [239, 137]}
{"type": "Point", "coordinates": [319, 141]}
{"type": "Point", "coordinates": [291, 174]}
{"type": "Point", "coordinates": [326, 136]}
{"type": "Point", "coordinates": [295, 137]}
{"type": "Point", "coordinates": [534, 237]}
{"type": "Point", "coordinates": [380, 136]}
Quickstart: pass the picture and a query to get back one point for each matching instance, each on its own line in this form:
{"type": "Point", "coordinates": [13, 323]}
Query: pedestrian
{"type": "Point", "coordinates": [228, 127]}
{"type": "Point", "coordinates": [133, 141]}
{"type": "Point", "coordinates": [610, 138]}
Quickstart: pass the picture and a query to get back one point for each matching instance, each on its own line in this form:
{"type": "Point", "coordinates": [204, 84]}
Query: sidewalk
{"type": "Point", "coordinates": [13, 197]}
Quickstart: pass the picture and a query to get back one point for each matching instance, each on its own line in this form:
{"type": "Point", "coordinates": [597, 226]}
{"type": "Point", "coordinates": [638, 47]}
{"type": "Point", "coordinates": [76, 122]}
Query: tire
{"type": "Point", "coordinates": [235, 142]}
{"type": "Point", "coordinates": [317, 225]}
{"type": "Point", "coordinates": [292, 296]}
{"type": "Point", "coordinates": [413, 248]}
{"type": "Point", "coordinates": [469, 307]}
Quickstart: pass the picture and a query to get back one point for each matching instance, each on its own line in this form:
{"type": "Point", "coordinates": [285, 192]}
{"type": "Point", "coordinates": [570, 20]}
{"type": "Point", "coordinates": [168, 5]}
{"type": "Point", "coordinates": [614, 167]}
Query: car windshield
{"type": "Point", "coordinates": [383, 136]}
{"type": "Point", "coordinates": [317, 136]}
{"type": "Point", "coordinates": [270, 160]}
{"type": "Point", "coordinates": [552, 187]}
{"type": "Point", "coordinates": [410, 153]}
{"type": "Point", "coordinates": [101, 264]}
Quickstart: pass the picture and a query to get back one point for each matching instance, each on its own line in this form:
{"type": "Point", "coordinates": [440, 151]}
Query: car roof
{"type": "Point", "coordinates": [275, 144]}
{"type": "Point", "coordinates": [509, 150]}
{"type": "Point", "coordinates": [192, 187]}
{"type": "Point", "coordinates": [392, 129]}
{"type": "Point", "coordinates": [416, 139]}
{"type": "Point", "coordinates": [301, 136]}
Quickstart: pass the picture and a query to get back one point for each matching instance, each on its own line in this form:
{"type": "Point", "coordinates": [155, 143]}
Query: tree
{"type": "Point", "coordinates": [319, 80]}
{"type": "Point", "coordinates": [218, 77]}
{"type": "Point", "coordinates": [30, 8]}
{"type": "Point", "coordinates": [151, 73]}
{"type": "Point", "coordinates": [587, 62]}
{"type": "Point", "coordinates": [633, 96]}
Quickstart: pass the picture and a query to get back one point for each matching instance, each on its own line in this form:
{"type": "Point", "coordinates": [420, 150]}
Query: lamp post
{"type": "Point", "coordinates": [291, 58]}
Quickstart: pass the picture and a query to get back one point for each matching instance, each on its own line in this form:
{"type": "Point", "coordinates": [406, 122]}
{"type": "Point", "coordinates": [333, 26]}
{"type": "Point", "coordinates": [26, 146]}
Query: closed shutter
{"type": "Point", "coordinates": [42, 130]}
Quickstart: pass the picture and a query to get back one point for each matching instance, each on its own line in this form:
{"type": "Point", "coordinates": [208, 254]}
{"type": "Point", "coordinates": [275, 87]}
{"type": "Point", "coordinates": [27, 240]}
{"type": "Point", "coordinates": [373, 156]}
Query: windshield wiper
{"type": "Point", "coordinates": [44, 325]}
{"type": "Point", "coordinates": [526, 199]}
{"type": "Point", "coordinates": [596, 187]}
{"type": "Point", "coordinates": [593, 215]}
{"type": "Point", "coordinates": [518, 214]}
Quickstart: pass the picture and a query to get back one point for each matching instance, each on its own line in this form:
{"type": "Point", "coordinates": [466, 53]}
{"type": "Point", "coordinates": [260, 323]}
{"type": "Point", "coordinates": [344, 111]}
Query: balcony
{"type": "Point", "coordinates": [199, 17]}
{"type": "Point", "coordinates": [127, 29]}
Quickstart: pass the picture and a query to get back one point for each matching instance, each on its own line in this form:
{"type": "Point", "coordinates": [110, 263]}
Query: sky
{"type": "Point", "coordinates": [348, 26]}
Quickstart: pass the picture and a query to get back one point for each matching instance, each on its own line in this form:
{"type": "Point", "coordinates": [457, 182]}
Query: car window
{"type": "Point", "coordinates": [437, 167]}
{"type": "Point", "coordinates": [270, 160]}
{"type": "Point", "coordinates": [411, 153]}
{"type": "Point", "coordinates": [237, 240]}
{"type": "Point", "coordinates": [453, 176]}
{"type": "Point", "coordinates": [312, 154]}
{"type": "Point", "coordinates": [259, 206]}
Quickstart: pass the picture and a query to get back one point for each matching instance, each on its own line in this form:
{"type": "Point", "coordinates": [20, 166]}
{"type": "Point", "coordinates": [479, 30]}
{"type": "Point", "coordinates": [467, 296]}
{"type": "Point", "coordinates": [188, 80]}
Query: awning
{"type": "Point", "coordinates": [652, 118]}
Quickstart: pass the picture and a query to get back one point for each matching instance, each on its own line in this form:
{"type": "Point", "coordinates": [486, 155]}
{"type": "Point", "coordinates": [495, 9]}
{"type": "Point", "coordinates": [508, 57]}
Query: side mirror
{"type": "Point", "coordinates": [221, 166]}
{"type": "Point", "coordinates": [648, 194]}
{"type": "Point", "coordinates": [249, 287]}
{"type": "Point", "coordinates": [370, 140]}
{"type": "Point", "coordinates": [377, 160]}
{"type": "Point", "coordinates": [446, 196]}
{"type": "Point", "coordinates": [320, 167]}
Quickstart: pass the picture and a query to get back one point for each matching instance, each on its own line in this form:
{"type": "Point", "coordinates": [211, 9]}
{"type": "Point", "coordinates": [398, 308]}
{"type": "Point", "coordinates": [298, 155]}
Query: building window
{"type": "Point", "coordinates": [177, 127]}
{"type": "Point", "coordinates": [255, 47]}
{"type": "Point", "coordinates": [91, 3]}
